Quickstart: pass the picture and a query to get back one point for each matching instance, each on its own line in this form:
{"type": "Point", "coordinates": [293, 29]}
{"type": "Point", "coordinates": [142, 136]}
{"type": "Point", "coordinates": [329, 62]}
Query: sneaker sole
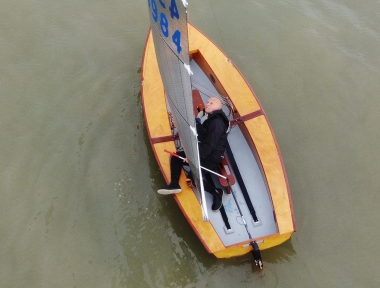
{"type": "Point", "coordinates": [168, 192]}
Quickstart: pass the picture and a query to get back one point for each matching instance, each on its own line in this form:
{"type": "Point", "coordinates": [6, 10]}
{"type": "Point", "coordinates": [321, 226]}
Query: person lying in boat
{"type": "Point", "coordinates": [212, 129]}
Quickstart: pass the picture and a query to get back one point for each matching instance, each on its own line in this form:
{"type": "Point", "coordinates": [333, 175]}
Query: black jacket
{"type": "Point", "coordinates": [212, 137]}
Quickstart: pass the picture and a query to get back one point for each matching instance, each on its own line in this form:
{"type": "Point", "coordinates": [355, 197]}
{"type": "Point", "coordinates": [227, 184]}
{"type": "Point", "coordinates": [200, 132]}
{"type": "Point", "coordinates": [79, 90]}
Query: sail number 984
{"type": "Point", "coordinates": [164, 23]}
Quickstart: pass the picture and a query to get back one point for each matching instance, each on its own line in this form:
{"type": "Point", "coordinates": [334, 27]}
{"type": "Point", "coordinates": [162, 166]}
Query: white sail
{"type": "Point", "coordinates": [170, 35]}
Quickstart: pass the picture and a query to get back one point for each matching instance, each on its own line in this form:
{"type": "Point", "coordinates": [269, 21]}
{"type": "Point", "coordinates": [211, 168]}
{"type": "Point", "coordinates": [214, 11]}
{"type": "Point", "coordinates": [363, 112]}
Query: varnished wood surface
{"type": "Point", "coordinates": [243, 98]}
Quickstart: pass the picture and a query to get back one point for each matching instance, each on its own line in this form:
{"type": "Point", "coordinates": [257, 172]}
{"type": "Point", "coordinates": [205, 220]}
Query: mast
{"type": "Point", "coordinates": [170, 36]}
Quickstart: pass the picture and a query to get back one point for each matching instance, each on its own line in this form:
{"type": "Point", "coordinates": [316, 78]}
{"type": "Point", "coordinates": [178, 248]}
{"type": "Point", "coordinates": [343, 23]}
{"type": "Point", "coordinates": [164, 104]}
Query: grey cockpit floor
{"type": "Point", "coordinates": [252, 177]}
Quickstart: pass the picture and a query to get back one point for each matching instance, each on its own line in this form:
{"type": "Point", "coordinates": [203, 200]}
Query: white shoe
{"type": "Point", "coordinates": [170, 189]}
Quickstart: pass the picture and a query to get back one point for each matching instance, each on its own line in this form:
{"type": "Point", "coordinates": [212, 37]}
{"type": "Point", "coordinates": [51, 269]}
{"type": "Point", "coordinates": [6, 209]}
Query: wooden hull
{"type": "Point", "coordinates": [227, 81]}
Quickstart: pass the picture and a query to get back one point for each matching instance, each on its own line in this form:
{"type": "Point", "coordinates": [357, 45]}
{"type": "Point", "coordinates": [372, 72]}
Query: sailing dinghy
{"type": "Point", "coordinates": [181, 69]}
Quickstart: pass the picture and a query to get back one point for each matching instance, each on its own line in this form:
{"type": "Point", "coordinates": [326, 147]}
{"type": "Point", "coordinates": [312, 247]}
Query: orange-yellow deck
{"type": "Point", "coordinates": [258, 128]}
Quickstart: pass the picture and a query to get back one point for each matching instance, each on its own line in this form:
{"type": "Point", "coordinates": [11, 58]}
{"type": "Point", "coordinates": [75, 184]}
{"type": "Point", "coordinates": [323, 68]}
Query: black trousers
{"type": "Point", "coordinates": [176, 167]}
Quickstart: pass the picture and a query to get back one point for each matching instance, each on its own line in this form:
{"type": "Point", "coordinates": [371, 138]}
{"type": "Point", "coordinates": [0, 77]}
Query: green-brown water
{"type": "Point", "coordinates": [78, 206]}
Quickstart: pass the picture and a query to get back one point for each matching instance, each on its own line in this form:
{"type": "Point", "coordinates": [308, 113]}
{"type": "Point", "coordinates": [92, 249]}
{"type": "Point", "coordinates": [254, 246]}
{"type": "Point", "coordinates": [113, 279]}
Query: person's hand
{"type": "Point", "coordinates": [185, 160]}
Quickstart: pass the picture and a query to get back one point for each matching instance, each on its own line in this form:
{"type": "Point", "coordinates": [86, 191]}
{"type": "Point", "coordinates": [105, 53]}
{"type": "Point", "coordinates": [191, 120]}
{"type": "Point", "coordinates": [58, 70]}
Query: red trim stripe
{"type": "Point", "coordinates": [247, 117]}
{"type": "Point", "coordinates": [162, 139]}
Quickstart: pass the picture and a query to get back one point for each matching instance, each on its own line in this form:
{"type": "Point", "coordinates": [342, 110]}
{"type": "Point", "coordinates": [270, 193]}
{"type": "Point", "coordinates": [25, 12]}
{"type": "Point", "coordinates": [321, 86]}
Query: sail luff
{"type": "Point", "coordinates": [170, 37]}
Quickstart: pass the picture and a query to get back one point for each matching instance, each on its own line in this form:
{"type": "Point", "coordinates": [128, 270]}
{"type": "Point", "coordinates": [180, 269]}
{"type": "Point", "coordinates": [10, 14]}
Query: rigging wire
{"type": "Point", "coordinates": [228, 103]}
{"type": "Point", "coordinates": [217, 25]}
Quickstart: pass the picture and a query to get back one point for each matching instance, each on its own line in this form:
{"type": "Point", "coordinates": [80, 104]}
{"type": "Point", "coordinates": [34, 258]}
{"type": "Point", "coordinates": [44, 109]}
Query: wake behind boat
{"type": "Point", "coordinates": [181, 69]}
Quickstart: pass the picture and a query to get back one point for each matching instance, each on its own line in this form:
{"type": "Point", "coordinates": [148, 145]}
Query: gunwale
{"type": "Point", "coordinates": [257, 127]}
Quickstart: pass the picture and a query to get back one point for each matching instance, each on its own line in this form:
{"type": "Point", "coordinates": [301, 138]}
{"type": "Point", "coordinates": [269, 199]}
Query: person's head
{"type": "Point", "coordinates": [213, 104]}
